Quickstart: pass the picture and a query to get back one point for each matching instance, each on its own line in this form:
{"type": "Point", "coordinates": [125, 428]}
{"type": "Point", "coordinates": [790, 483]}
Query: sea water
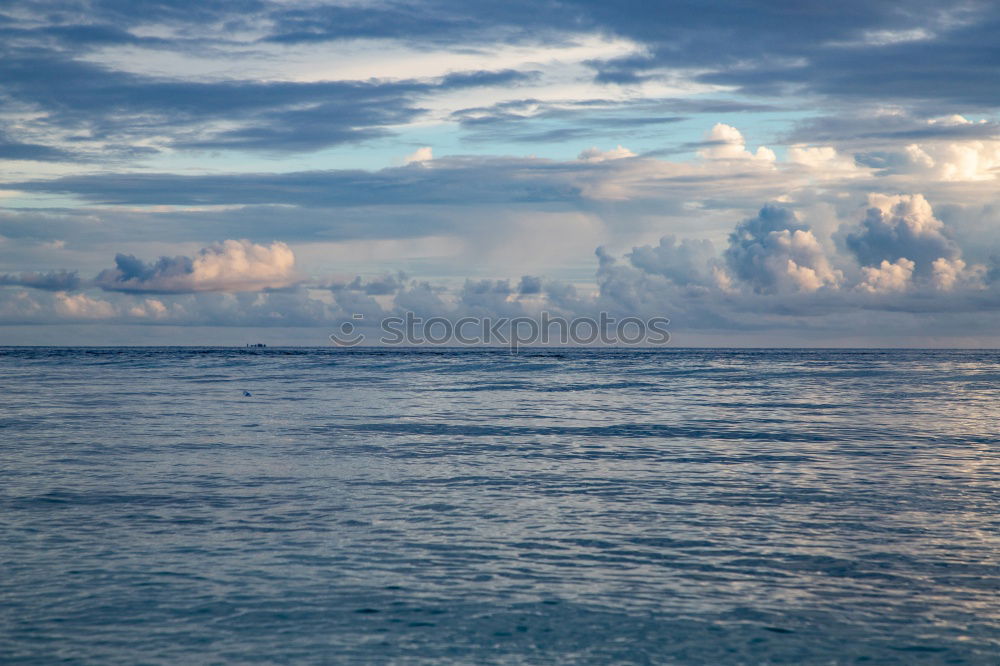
{"type": "Point", "coordinates": [475, 506]}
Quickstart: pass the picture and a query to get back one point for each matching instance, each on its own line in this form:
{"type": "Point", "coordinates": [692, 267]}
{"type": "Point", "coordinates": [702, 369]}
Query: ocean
{"type": "Point", "coordinates": [448, 506]}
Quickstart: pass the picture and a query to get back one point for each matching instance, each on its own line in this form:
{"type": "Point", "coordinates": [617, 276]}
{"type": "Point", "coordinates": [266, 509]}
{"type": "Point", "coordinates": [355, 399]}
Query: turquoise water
{"type": "Point", "coordinates": [449, 506]}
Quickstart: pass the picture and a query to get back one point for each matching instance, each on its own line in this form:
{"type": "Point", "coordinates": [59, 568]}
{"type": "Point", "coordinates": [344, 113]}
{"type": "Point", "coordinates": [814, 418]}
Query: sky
{"type": "Point", "coordinates": [761, 173]}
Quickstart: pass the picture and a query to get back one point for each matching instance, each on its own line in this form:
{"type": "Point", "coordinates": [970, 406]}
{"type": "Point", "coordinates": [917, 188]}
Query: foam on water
{"type": "Point", "coordinates": [470, 506]}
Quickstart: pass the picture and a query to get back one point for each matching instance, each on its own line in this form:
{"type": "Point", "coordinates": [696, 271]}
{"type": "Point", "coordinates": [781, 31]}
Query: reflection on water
{"type": "Point", "coordinates": [473, 506]}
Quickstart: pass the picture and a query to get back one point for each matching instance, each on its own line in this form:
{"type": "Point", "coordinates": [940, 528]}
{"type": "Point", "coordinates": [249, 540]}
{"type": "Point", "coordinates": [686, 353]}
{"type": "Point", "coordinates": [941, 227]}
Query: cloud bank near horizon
{"type": "Point", "coordinates": [894, 262]}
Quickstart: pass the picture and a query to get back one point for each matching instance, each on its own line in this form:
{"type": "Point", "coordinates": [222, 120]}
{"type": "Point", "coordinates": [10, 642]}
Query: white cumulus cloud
{"type": "Point", "coordinates": [887, 277]}
{"type": "Point", "coordinates": [725, 142]}
{"type": "Point", "coordinates": [950, 274]}
{"type": "Point", "coordinates": [81, 306]}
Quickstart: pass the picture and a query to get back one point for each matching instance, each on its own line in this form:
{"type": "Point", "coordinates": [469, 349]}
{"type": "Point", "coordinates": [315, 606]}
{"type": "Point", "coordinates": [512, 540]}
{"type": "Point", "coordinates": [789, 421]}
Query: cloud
{"type": "Point", "coordinates": [951, 149]}
{"type": "Point", "coordinates": [232, 265]}
{"type": "Point", "coordinates": [533, 120]}
{"type": "Point", "coordinates": [461, 181]}
{"type": "Point", "coordinates": [595, 155]}
{"type": "Point", "coordinates": [109, 105]}
{"type": "Point", "coordinates": [824, 160]}
{"type": "Point", "coordinates": [529, 285]}
{"type": "Point", "coordinates": [499, 206]}
{"type": "Point", "coordinates": [149, 308]}
{"type": "Point", "coordinates": [17, 150]}
{"type": "Point", "coordinates": [887, 277]}
{"type": "Point", "coordinates": [774, 252]}
{"type": "Point", "coordinates": [889, 125]}
{"type": "Point", "coordinates": [82, 306]}
{"type": "Point", "coordinates": [431, 22]}
{"type": "Point", "coordinates": [451, 180]}
{"type": "Point", "coordinates": [98, 107]}
{"type": "Point", "coordinates": [951, 274]}
{"type": "Point", "coordinates": [837, 56]}
{"type": "Point", "coordinates": [897, 227]}
{"type": "Point", "coordinates": [955, 161]}
{"type": "Point", "coordinates": [725, 142]}
{"type": "Point", "coordinates": [423, 154]}
{"type": "Point", "coordinates": [379, 286]}
{"type": "Point", "coordinates": [872, 52]}
{"type": "Point", "coordinates": [686, 262]}
{"type": "Point", "coordinates": [51, 281]}
{"type": "Point", "coordinates": [774, 274]}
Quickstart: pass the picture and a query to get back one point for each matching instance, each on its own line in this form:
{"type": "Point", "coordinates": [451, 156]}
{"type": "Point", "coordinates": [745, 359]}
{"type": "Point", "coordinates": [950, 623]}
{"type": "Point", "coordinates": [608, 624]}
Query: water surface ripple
{"type": "Point", "coordinates": [473, 506]}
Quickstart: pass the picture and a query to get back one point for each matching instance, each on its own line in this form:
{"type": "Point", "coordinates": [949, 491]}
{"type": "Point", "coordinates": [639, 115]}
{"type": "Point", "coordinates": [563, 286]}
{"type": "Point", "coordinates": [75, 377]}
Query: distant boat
{"type": "Point", "coordinates": [258, 345]}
